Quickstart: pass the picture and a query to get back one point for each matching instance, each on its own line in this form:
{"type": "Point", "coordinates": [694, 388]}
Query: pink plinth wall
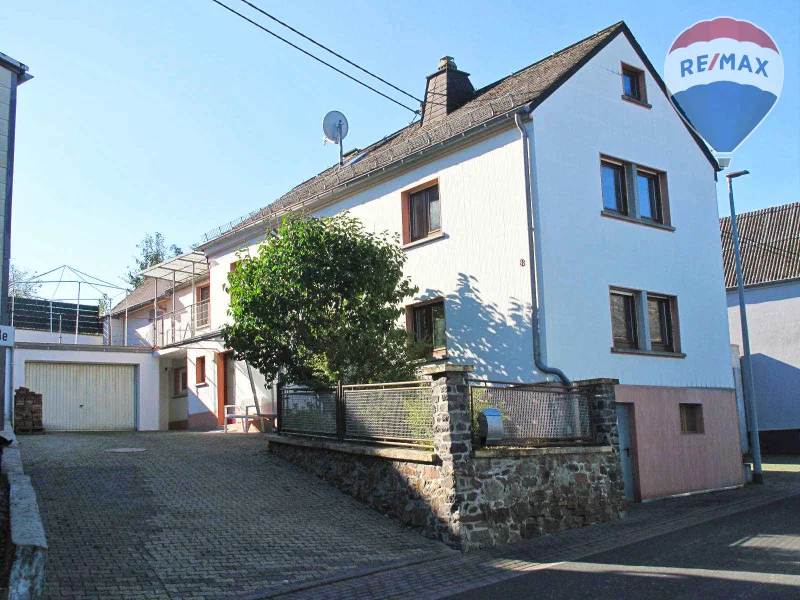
{"type": "Point", "coordinates": [669, 462]}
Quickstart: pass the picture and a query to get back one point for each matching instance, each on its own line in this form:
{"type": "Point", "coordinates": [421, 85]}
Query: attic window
{"type": "Point", "coordinates": [633, 85]}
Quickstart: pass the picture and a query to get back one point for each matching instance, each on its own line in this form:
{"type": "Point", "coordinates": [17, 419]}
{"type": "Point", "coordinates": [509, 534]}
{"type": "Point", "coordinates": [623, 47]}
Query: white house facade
{"type": "Point", "coordinates": [560, 224]}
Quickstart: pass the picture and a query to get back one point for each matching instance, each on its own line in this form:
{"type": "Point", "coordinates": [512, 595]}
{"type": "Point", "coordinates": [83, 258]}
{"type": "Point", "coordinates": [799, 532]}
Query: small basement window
{"type": "Point", "coordinates": [692, 418]}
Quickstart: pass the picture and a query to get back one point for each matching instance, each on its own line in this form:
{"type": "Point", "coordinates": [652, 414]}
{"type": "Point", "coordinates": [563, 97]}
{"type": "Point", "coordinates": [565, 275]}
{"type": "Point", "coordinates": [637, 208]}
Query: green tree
{"type": "Point", "coordinates": [152, 250]}
{"type": "Point", "coordinates": [22, 283]}
{"type": "Point", "coordinates": [320, 303]}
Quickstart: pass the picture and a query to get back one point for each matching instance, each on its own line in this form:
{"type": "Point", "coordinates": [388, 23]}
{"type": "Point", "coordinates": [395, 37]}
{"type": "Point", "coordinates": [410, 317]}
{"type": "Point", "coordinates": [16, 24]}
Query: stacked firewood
{"type": "Point", "coordinates": [27, 411]}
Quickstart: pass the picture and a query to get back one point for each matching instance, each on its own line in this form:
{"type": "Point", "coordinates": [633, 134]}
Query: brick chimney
{"type": "Point", "coordinates": [447, 90]}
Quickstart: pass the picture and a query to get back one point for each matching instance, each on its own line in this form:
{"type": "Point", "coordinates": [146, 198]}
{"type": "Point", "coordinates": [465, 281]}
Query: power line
{"type": "Point", "coordinates": [307, 53]}
{"type": "Point", "coordinates": [336, 54]}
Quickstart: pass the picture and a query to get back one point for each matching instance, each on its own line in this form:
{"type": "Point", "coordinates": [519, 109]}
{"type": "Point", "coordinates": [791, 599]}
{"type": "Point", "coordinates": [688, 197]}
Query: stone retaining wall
{"type": "Point", "coordinates": [26, 552]}
{"type": "Point", "coordinates": [483, 498]}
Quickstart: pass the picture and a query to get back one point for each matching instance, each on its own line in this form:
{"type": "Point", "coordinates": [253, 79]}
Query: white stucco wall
{"type": "Point", "coordinates": [584, 253]}
{"type": "Point", "coordinates": [476, 266]}
{"type": "Point", "coordinates": [46, 337]}
{"type": "Point", "coordinates": [773, 316]}
{"type": "Point", "coordinates": [148, 409]}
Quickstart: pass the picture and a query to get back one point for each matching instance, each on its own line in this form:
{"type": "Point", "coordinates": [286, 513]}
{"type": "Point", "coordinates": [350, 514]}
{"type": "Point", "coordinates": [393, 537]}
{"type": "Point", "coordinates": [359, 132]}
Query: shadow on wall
{"type": "Point", "coordinates": [497, 340]}
{"type": "Point", "coordinates": [777, 392]}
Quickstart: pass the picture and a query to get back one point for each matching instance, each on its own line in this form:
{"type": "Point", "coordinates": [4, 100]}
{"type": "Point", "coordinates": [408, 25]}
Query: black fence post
{"type": "Point", "coordinates": [279, 409]}
{"type": "Point", "coordinates": [341, 423]}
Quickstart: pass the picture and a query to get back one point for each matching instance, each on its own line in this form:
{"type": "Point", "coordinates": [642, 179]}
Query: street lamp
{"type": "Point", "coordinates": [747, 368]}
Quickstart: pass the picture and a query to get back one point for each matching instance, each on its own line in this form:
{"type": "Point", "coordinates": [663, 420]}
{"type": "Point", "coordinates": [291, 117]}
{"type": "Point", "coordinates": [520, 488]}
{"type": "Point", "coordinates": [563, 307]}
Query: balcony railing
{"type": "Point", "coordinates": [182, 324]}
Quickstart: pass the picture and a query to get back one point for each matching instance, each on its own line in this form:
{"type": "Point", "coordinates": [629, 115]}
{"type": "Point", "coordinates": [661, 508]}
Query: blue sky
{"type": "Point", "coordinates": [178, 116]}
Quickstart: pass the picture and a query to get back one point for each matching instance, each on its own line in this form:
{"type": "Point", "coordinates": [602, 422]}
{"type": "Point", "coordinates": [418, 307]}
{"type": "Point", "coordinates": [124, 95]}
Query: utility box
{"type": "Point", "coordinates": [490, 427]}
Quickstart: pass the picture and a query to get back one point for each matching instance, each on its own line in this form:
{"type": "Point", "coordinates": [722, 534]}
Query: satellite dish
{"type": "Point", "coordinates": [334, 126]}
{"type": "Point", "coordinates": [331, 126]}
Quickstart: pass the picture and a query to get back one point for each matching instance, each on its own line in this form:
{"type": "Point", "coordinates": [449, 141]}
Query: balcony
{"type": "Point", "coordinates": [182, 324]}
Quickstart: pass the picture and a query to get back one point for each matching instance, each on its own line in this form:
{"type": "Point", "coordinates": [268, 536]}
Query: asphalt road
{"type": "Point", "coordinates": [752, 554]}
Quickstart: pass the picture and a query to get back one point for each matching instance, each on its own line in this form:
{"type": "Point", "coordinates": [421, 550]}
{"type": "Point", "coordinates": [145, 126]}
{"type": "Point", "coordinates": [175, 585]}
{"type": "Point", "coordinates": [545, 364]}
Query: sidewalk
{"type": "Point", "coordinates": [447, 576]}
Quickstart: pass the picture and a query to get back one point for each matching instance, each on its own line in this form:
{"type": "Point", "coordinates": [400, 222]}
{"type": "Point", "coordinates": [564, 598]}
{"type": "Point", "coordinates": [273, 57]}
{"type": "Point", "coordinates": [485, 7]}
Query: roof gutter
{"type": "Point", "coordinates": [532, 257]}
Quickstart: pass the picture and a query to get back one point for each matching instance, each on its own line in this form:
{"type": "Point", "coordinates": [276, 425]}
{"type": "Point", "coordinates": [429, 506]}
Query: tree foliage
{"type": "Point", "coordinates": [320, 302]}
{"type": "Point", "coordinates": [152, 250]}
{"type": "Point", "coordinates": [22, 284]}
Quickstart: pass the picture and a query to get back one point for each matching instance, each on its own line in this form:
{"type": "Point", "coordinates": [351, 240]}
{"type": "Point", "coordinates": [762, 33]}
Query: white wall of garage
{"type": "Point", "coordinates": [148, 409]}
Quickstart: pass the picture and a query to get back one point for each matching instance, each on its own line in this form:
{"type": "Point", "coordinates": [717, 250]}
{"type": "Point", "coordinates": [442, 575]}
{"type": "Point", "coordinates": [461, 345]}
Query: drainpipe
{"type": "Point", "coordinates": [532, 258]}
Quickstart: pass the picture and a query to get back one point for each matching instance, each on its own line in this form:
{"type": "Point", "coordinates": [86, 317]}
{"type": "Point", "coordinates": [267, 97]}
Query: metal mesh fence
{"type": "Point", "coordinates": [534, 414]}
{"type": "Point", "coordinates": [392, 413]}
{"type": "Point", "coordinates": [308, 411]}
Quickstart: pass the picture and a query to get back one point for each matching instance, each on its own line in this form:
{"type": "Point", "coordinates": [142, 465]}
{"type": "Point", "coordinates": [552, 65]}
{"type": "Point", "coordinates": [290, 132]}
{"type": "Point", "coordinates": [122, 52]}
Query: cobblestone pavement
{"type": "Point", "coordinates": [464, 573]}
{"type": "Point", "coordinates": [197, 516]}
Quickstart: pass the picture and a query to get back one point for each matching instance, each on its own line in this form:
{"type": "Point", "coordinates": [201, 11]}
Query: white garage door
{"type": "Point", "coordinates": [84, 396]}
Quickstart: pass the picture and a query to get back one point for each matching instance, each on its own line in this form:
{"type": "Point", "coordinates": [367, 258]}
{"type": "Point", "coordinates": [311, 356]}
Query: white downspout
{"type": "Point", "coordinates": [532, 258]}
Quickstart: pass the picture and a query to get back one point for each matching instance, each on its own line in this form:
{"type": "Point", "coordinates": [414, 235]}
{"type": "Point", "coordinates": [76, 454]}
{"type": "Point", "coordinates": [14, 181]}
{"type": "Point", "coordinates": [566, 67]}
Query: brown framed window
{"type": "Point", "coordinates": [203, 305]}
{"type": "Point", "coordinates": [648, 187]}
{"type": "Point", "coordinates": [692, 418]}
{"type": "Point", "coordinates": [428, 326]}
{"type": "Point", "coordinates": [180, 381]}
{"type": "Point", "coordinates": [424, 215]}
{"type": "Point", "coordinates": [633, 84]}
{"type": "Point", "coordinates": [614, 192]}
{"type": "Point", "coordinates": [659, 317]}
{"type": "Point", "coordinates": [623, 320]}
{"type": "Point", "coordinates": [200, 370]}
{"type": "Point", "coordinates": [634, 192]}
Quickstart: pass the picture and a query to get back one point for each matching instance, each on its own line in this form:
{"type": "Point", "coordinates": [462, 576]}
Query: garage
{"type": "Point", "coordinates": [84, 396]}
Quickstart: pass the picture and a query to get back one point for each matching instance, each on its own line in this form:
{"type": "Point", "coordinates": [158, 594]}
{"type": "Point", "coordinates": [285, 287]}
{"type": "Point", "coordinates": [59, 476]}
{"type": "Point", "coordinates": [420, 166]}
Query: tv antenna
{"type": "Point", "coordinates": [335, 127]}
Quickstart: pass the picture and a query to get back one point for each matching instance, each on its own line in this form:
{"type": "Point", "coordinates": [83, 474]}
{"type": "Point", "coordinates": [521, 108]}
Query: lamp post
{"type": "Point", "coordinates": [749, 389]}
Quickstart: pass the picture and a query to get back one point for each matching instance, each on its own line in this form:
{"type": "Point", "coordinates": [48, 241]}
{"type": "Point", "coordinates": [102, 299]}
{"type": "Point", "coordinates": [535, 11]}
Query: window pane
{"type": "Point", "coordinates": [434, 216]}
{"type": "Point", "coordinates": [649, 197]}
{"type": "Point", "coordinates": [429, 325]}
{"type": "Point", "coordinates": [613, 187]}
{"type": "Point", "coordinates": [623, 321]}
{"type": "Point", "coordinates": [419, 216]}
{"type": "Point", "coordinates": [660, 324]}
{"type": "Point", "coordinates": [630, 82]}
{"type": "Point", "coordinates": [437, 314]}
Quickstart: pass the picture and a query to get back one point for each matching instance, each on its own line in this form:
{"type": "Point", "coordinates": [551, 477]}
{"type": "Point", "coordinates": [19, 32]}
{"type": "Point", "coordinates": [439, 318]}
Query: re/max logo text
{"type": "Point", "coordinates": [721, 61]}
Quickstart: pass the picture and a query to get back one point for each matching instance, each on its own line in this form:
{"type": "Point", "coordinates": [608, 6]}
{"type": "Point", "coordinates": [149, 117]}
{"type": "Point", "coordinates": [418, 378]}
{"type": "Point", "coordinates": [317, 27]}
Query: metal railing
{"type": "Point", "coordinates": [305, 411]}
{"type": "Point", "coordinates": [534, 414]}
{"type": "Point", "coordinates": [399, 413]}
{"type": "Point", "coordinates": [392, 413]}
{"type": "Point", "coordinates": [182, 324]}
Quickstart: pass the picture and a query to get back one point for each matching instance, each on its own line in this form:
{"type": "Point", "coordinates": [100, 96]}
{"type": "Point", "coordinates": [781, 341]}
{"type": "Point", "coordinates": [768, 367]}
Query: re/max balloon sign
{"type": "Point", "coordinates": [724, 76]}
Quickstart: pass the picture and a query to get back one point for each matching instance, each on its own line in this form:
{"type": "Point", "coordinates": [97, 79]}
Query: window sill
{"type": "Point", "coordinates": [421, 242]}
{"type": "Point", "coordinates": [620, 217]}
{"type": "Point", "coordinates": [181, 395]}
{"type": "Point", "coordinates": [202, 385]}
{"type": "Point", "coordinates": [648, 352]}
{"type": "Point", "coordinates": [633, 100]}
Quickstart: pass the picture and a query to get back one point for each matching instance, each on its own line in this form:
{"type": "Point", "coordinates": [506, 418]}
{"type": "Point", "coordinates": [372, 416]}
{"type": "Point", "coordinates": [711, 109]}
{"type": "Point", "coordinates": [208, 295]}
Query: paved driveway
{"type": "Point", "coordinates": [197, 516]}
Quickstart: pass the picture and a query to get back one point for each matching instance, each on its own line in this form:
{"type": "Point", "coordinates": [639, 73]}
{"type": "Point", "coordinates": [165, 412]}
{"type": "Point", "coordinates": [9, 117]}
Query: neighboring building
{"type": "Point", "coordinates": [770, 247]}
{"type": "Point", "coordinates": [580, 162]}
{"type": "Point", "coordinates": [12, 74]}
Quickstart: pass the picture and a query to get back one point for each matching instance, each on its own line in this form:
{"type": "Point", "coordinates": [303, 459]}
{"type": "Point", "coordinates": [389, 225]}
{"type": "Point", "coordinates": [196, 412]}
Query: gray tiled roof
{"type": "Point", "coordinates": [770, 245]}
{"type": "Point", "coordinates": [533, 83]}
{"type": "Point", "coordinates": [143, 294]}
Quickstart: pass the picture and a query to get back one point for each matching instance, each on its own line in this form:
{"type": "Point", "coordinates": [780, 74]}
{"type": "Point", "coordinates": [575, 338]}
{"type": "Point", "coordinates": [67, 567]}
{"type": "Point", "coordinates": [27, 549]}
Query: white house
{"type": "Point", "coordinates": [560, 223]}
{"type": "Point", "coordinates": [770, 246]}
